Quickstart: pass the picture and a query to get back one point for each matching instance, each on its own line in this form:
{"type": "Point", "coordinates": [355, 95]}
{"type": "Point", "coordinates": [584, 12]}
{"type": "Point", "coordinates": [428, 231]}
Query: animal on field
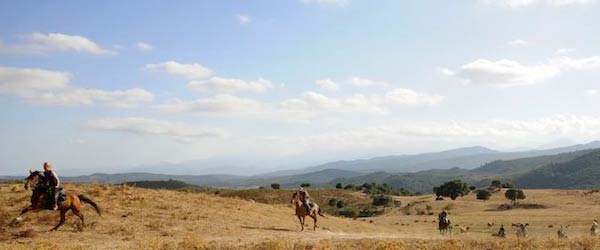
{"type": "Point", "coordinates": [445, 227]}
{"type": "Point", "coordinates": [521, 229]}
{"type": "Point", "coordinates": [490, 225]}
{"type": "Point", "coordinates": [595, 228]}
{"type": "Point", "coordinates": [39, 199]}
{"type": "Point", "coordinates": [562, 232]}
{"type": "Point", "coordinates": [463, 229]}
{"type": "Point", "coordinates": [302, 211]}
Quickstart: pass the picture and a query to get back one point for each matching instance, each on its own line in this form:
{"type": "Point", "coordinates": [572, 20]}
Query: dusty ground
{"type": "Point", "coordinates": [148, 219]}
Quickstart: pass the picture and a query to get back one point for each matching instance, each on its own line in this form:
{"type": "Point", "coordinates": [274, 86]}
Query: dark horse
{"type": "Point", "coordinates": [444, 226]}
{"type": "Point", "coordinates": [39, 199]}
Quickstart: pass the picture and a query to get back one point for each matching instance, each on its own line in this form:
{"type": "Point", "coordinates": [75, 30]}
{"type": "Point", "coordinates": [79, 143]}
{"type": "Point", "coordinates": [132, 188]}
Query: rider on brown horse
{"type": "Point", "coordinates": [304, 198]}
{"type": "Point", "coordinates": [53, 184]}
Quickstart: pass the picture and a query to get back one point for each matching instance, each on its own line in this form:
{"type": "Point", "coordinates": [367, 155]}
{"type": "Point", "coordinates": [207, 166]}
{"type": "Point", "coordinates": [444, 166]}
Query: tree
{"type": "Point", "coordinates": [340, 204]}
{"type": "Point", "coordinates": [275, 186]}
{"type": "Point", "coordinates": [496, 183]}
{"type": "Point", "coordinates": [483, 194]}
{"type": "Point", "coordinates": [305, 185]}
{"type": "Point", "coordinates": [332, 202]}
{"type": "Point", "coordinates": [452, 189]}
{"type": "Point", "coordinates": [338, 186]}
{"type": "Point", "coordinates": [507, 185]}
{"type": "Point", "coordinates": [472, 187]}
{"type": "Point", "coordinates": [382, 200]}
{"type": "Point", "coordinates": [514, 195]}
{"type": "Point", "coordinates": [349, 186]}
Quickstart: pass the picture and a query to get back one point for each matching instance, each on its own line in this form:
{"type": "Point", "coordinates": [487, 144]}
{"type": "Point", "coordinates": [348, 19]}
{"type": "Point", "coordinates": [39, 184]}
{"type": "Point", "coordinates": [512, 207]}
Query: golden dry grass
{"type": "Point", "coordinates": [136, 218]}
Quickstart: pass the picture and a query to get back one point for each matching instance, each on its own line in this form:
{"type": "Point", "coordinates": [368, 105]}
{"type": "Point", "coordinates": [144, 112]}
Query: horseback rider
{"type": "Point", "coordinates": [442, 216]}
{"type": "Point", "coordinates": [501, 231]}
{"type": "Point", "coordinates": [304, 198]}
{"type": "Point", "coordinates": [53, 184]}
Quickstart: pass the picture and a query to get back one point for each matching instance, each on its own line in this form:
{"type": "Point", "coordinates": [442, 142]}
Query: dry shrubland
{"type": "Point", "coordinates": [135, 218]}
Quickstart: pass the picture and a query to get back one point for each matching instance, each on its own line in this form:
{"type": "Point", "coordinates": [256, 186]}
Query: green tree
{"type": "Point", "coordinates": [496, 183]}
{"type": "Point", "coordinates": [305, 185]}
{"type": "Point", "coordinates": [472, 187]}
{"type": "Point", "coordinates": [452, 189]}
{"type": "Point", "coordinates": [507, 185]}
{"type": "Point", "coordinates": [483, 194]}
{"type": "Point", "coordinates": [340, 204]}
{"type": "Point", "coordinates": [332, 202]}
{"type": "Point", "coordinates": [514, 195]}
{"type": "Point", "coordinates": [275, 186]}
{"type": "Point", "coordinates": [338, 186]}
{"type": "Point", "coordinates": [349, 186]}
{"type": "Point", "coordinates": [382, 200]}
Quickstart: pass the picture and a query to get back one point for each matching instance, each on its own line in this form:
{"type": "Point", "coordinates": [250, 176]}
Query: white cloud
{"type": "Point", "coordinates": [507, 73]}
{"type": "Point", "coordinates": [243, 19]}
{"type": "Point", "coordinates": [517, 42]}
{"type": "Point", "coordinates": [310, 104]}
{"type": "Point", "coordinates": [25, 82]}
{"type": "Point", "coordinates": [327, 84]}
{"type": "Point", "coordinates": [411, 97]}
{"type": "Point", "coordinates": [52, 88]}
{"type": "Point", "coordinates": [40, 43]}
{"type": "Point", "coordinates": [327, 2]}
{"type": "Point", "coordinates": [515, 4]}
{"type": "Point", "coordinates": [591, 92]}
{"type": "Point", "coordinates": [229, 85]}
{"type": "Point", "coordinates": [145, 126]}
{"type": "Point", "coordinates": [218, 105]}
{"type": "Point", "coordinates": [364, 82]}
{"type": "Point", "coordinates": [144, 46]}
{"type": "Point", "coordinates": [565, 51]}
{"type": "Point", "coordinates": [191, 71]}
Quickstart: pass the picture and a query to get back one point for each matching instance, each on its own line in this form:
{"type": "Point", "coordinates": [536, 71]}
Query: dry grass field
{"type": "Point", "coordinates": [135, 218]}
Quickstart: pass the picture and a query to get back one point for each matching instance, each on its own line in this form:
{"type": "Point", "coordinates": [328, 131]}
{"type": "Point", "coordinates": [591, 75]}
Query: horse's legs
{"type": "Point", "coordinates": [27, 209]}
{"type": "Point", "coordinates": [79, 214]}
{"type": "Point", "coordinates": [63, 213]}
{"type": "Point", "coordinates": [301, 224]}
{"type": "Point", "coordinates": [314, 217]}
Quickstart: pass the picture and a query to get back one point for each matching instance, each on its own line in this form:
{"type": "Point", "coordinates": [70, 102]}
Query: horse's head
{"type": "Point", "coordinates": [294, 197]}
{"type": "Point", "coordinates": [33, 179]}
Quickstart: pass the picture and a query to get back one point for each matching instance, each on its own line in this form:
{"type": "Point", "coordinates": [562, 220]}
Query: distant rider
{"type": "Point", "coordinates": [442, 216]}
{"type": "Point", "coordinates": [53, 184]}
{"type": "Point", "coordinates": [304, 198]}
{"type": "Point", "coordinates": [501, 232]}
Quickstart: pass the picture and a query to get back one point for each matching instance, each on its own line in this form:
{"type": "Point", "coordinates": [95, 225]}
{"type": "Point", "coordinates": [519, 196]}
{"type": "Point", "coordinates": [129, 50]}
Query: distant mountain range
{"type": "Point", "coordinates": [562, 167]}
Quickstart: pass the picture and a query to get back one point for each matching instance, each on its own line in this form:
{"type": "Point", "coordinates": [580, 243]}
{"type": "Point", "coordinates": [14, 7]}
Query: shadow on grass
{"type": "Point", "coordinates": [268, 228]}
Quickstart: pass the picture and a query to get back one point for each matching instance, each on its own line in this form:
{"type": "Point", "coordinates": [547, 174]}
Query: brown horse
{"type": "Point", "coordinates": [302, 211]}
{"type": "Point", "coordinates": [39, 199]}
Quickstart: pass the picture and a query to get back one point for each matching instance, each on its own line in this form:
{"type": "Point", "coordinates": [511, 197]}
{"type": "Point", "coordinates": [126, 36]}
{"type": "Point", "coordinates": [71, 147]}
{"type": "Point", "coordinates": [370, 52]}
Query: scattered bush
{"type": "Point", "coordinates": [338, 186]}
{"type": "Point", "coordinates": [349, 186]}
{"type": "Point", "coordinates": [350, 212]}
{"type": "Point", "coordinates": [483, 194]}
{"type": "Point", "coordinates": [275, 186]}
{"type": "Point", "coordinates": [382, 200]}
{"type": "Point", "coordinates": [340, 204]}
{"type": "Point", "coordinates": [332, 202]}
{"type": "Point", "coordinates": [305, 185]}
{"type": "Point", "coordinates": [452, 189]}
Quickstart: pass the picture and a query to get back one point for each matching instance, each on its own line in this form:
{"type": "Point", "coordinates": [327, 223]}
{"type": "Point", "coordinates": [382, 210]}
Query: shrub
{"type": "Point", "coordinates": [275, 186]}
{"type": "Point", "coordinates": [472, 187]}
{"type": "Point", "coordinates": [508, 185]}
{"type": "Point", "coordinates": [305, 185]}
{"type": "Point", "coordinates": [495, 183]}
{"type": "Point", "coordinates": [382, 200]}
{"type": "Point", "coordinates": [332, 202]}
{"type": "Point", "coordinates": [350, 212]}
{"type": "Point", "coordinates": [338, 186]}
{"type": "Point", "coordinates": [349, 186]}
{"type": "Point", "coordinates": [483, 194]}
{"type": "Point", "coordinates": [340, 204]}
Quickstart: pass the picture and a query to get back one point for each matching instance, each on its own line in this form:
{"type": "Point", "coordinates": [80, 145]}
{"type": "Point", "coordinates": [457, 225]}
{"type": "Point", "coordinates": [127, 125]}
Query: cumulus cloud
{"type": "Point", "coordinates": [515, 4]}
{"type": "Point", "coordinates": [507, 73]}
{"type": "Point", "coordinates": [327, 84]}
{"type": "Point", "coordinates": [229, 85]}
{"type": "Point", "coordinates": [53, 88]}
{"type": "Point", "coordinates": [145, 126]}
{"type": "Point", "coordinates": [364, 82]}
{"type": "Point", "coordinates": [218, 105]}
{"type": "Point", "coordinates": [327, 2]}
{"type": "Point", "coordinates": [243, 19]}
{"type": "Point", "coordinates": [517, 42]}
{"type": "Point", "coordinates": [191, 71]}
{"type": "Point", "coordinates": [40, 43]}
{"type": "Point", "coordinates": [565, 51]}
{"type": "Point", "coordinates": [411, 97]}
{"type": "Point", "coordinates": [144, 46]}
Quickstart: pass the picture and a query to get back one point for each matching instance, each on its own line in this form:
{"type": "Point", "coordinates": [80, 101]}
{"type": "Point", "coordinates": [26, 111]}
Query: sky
{"type": "Point", "coordinates": [269, 85]}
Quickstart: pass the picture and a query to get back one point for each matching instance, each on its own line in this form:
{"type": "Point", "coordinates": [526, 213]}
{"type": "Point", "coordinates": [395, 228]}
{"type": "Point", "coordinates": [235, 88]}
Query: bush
{"type": "Point", "coordinates": [483, 194]}
{"type": "Point", "coordinates": [349, 186]}
{"type": "Point", "coordinates": [340, 204]}
{"type": "Point", "coordinates": [332, 202]}
{"type": "Point", "coordinates": [382, 200]}
{"type": "Point", "coordinates": [305, 185]}
{"type": "Point", "coordinates": [338, 186]}
{"type": "Point", "coordinates": [350, 212]}
{"type": "Point", "coordinates": [452, 189]}
{"type": "Point", "coordinates": [472, 187]}
{"type": "Point", "coordinates": [275, 186]}
{"type": "Point", "coordinates": [495, 183]}
{"type": "Point", "coordinates": [514, 195]}
{"type": "Point", "coordinates": [508, 185]}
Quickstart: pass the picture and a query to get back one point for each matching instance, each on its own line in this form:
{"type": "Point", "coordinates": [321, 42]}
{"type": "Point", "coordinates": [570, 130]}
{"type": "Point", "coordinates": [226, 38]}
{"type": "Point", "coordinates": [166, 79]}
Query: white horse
{"type": "Point", "coordinates": [521, 229]}
{"type": "Point", "coordinates": [562, 232]}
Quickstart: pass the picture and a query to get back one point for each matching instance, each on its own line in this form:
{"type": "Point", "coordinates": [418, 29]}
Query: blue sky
{"type": "Point", "coordinates": [282, 84]}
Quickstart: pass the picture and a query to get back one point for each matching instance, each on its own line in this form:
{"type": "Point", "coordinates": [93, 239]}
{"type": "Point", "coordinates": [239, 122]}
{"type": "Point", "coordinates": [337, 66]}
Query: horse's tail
{"type": "Point", "coordinates": [89, 201]}
{"type": "Point", "coordinates": [320, 212]}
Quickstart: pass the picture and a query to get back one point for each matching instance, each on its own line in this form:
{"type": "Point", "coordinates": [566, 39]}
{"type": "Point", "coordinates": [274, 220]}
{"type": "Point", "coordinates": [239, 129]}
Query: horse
{"type": "Point", "coordinates": [445, 226]}
{"type": "Point", "coordinates": [521, 229]}
{"type": "Point", "coordinates": [562, 232]}
{"type": "Point", "coordinates": [594, 230]}
{"type": "Point", "coordinates": [301, 210]}
{"type": "Point", "coordinates": [39, 198]}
